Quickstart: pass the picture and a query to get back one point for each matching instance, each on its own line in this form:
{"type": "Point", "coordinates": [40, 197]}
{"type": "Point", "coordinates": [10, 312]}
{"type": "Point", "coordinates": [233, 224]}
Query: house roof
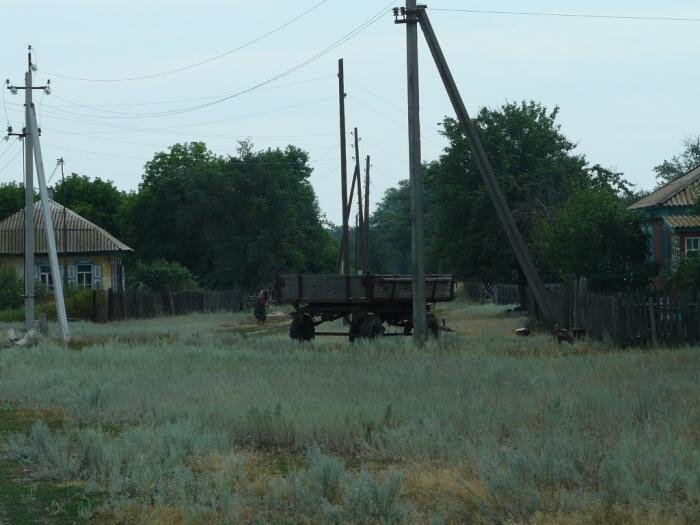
{"type": "Point", "coordinates": [682, 221]}
{"type": "Point", "coordinates": [74, 234]}
{"type": "Point", "coordinates": [684, 191]}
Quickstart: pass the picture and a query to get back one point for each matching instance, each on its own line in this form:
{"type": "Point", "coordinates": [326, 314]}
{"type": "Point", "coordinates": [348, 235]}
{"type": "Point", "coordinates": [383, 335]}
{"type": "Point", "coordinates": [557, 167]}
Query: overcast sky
{"type": "Point", "coordinates": [627, 89]}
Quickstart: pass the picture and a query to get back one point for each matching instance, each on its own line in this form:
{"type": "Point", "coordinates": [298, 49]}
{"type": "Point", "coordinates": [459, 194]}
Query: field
{"type": "Point", "coordinates": [211, 419]}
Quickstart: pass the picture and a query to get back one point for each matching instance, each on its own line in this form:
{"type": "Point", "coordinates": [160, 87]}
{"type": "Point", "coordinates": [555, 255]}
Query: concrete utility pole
{"type": "Point", "coordinates": [344, 252]}
{"type": "Point", "coordinates": [414, 154]}
{"type": "Point", "coordinates": [50, 232]}
{"type": "Point", "coordinates": [366, 234]}
{"type": "Point", "coordinates": [360, 228]}
{"type": "Point", "coordinates": [28, 200]}
{"type": "Point", "coordinates": [520, 248]}
{"type": "Point", "coordinates": [64, 242]}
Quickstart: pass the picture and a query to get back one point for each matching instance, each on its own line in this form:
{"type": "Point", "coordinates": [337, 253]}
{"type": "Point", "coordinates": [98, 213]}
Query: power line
{"type": "Point", "coordinates": [247, 115]}
{"type": "Point", "coordinates": [201, 62]}
{"type": "Point", "coordinates": [99, 107]}
{"type": "Point", "coordinates": [567, 15]}
{"type": "Point", "coordinates": [10, 161]}
{"type": "Point", "coordinates": [340, 41]}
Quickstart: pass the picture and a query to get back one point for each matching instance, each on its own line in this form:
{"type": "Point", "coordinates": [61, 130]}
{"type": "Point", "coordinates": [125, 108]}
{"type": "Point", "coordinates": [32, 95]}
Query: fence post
{"type": "Point", "coordinates": [110, 304]}
{"type": "Point", "coordinates": [652, 323]}
{"type": "Point", "coordinates": [94, 306]}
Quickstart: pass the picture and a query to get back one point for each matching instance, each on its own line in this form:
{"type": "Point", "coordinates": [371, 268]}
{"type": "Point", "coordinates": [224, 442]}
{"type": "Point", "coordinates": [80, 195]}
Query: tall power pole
{"type": "Point", "coordinates": [366, 234]}
{"type": "Point", "coordinates": [344, 252]}
{"type": "Point", "coordinates": [28, 200]}
{"type": "Point", "coordinates": [64, 232]}
{"type": "Point", "coordinates": [360, 229]}
{"type": "Point", "coordinates": [414, 154]}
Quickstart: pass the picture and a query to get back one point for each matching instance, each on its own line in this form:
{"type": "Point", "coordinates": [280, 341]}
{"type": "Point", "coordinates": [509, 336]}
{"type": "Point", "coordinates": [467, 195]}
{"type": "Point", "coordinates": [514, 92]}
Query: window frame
{"type": "Point", "coordinates": [696, 242]}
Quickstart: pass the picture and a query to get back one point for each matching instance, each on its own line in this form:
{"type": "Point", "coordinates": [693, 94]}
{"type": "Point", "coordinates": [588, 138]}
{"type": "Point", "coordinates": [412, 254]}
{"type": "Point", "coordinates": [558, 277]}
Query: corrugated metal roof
{"type": "Point", "coordinates": [78, 236]}
{"type": "Point", "coordinates": [683, 221]}
{"type": "Point", "coordinates": [683, 191]}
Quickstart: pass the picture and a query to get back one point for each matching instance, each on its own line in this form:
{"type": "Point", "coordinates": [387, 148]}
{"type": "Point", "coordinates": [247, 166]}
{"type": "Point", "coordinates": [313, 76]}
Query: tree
{"type": "Point", "coordinates": [594, 235]}
{"type": "Point", "coordinates": [160, 275]}
{"type": "Point", "coordinates": [679, 165]}
{"type": "Point", "coordinates": [11, 288]}
{"type": "Point", "coordinates": [536, 169]}
{"type": "Point", "coordinates": [232, 221]}
{"type": "Point", "coordinates": [390, 232]}
{"type": "Point", "coordinates": [11, 199]}
{"type": "Point", "coordinates": [99, 201]}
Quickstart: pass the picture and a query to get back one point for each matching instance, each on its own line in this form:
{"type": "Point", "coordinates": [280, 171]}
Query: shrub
{"type": "Point", "coordinates": [160, 275]}
{"type": "Point", "coordinates": [11, 288]}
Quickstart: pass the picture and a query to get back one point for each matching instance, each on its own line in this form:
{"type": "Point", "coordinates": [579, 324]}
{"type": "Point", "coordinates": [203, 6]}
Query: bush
{"type": "Point", "coordinates": [685, 278]}
{"type": "Point", "coordinates": [160, 275]}
{"type": "Point", "coordinates": [11, 289]}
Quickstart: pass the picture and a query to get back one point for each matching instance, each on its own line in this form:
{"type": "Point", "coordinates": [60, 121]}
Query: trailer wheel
{"type": "Point", "coordinates": [370, 327]}
{"type": "Point", "coordinates": [302, 327]}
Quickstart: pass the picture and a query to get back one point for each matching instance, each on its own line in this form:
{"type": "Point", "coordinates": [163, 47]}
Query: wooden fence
{"type": "Point", "coordinates": [647, 318]}
{"type": "Point", "coordinates": [143, 303]}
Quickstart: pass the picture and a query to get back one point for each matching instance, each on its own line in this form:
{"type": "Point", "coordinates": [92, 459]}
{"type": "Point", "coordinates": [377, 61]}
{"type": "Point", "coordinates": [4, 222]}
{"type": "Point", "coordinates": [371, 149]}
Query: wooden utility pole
{"type": "Point", "coordinates": [366, 234]}
{"type": "Point", "coordinates": [360, 228]}
{"type": "Point", "coordinates": [414, 157]}
{"type": "Point", "coordinates": [520, 248]}
{"type": "Point", "coordinates": [344, 253]}
{"type": "Point", "coordinates": [28, 200]}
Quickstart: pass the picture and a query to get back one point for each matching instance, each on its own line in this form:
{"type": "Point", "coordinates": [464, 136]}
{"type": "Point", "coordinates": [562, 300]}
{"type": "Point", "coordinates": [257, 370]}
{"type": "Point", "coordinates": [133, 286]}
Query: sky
{"type": "Point", "coordinates": [627, 89]}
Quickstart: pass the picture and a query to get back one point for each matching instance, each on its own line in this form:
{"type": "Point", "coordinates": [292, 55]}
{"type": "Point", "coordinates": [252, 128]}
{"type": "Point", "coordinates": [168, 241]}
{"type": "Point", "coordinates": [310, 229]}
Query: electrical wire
{"type": "Point", "coordinates": [53, 173]}
{"type": "Point", "coordinates": [99, 107]}
{"type": "Point", "coordinates": [337, 43]}
{"type": "Point", "coordinates": [10, 161]}
{"type": "Point", "coordinates": [238, 117]}
{"type": "Point", "coordinates": [4, 105]}
{"type": "Point", "coordinates": [568, 15]}
{"type": "Point", "coordinates": [201, 62]}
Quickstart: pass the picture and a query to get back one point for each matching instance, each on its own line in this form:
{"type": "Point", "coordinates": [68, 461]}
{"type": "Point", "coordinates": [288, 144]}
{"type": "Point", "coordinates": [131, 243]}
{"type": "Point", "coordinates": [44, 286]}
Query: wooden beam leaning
{"type": "Point", "coordinates": [520, 248]}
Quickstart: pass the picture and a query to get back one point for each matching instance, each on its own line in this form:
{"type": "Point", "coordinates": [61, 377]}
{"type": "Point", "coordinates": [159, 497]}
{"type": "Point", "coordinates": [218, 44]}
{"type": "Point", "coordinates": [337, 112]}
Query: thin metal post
{"type": "Point", "coordinates": [414, 154]}
{"type": "Point", "coordinates": [344, 253]}
{"type": "Point", "coordinates": [520, 248]}
{"type": "Point", "coordinates": [28, 202]}
{"type": "Point", "coordinates": [50, 233]}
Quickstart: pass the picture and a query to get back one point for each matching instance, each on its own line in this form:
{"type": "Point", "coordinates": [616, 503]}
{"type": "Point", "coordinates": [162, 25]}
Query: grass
{"type": "Point", "coordinates": [211, 418]}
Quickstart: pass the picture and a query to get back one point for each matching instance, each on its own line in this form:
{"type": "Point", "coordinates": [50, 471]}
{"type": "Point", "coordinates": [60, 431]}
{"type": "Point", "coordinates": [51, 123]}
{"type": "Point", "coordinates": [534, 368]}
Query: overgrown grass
{"type": "Point", "coordinates": [174, 416]}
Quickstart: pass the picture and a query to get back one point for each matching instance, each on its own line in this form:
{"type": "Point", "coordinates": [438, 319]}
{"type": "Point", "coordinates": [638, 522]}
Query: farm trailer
{"type": "Point", "coordinates": [367, 301]}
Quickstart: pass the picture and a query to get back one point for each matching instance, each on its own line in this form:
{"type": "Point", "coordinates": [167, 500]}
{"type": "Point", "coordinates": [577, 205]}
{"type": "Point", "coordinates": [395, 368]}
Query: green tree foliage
{"type": "Point", "coordinates": [160, 275]}
{"type": "Point", "coordinates": [680, 164]}
{"type": "Point", "coordinates": [11, 288]}
{"type": "Point", "coordinates": [536, 169]}
{"type": "Point", "coordinates": [594, 235]}
{"type": "Point", "coordinates": [11, 199]}
{"type": "Point", "coordinates": [99, 201]}
{"type": "Point", "coordinates": [232, 221]}
{"type": "Point", "coordinates": [390, 232]}
{"type": "Point", "coordinates": [685, 278]}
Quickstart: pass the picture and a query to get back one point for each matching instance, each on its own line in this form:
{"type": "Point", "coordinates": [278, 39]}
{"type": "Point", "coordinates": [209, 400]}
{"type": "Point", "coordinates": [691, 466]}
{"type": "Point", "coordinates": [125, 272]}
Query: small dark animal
{"type": "Point", "coordinates": [522, 332]}
{"type": "Point", "coordinates": [563, 334]}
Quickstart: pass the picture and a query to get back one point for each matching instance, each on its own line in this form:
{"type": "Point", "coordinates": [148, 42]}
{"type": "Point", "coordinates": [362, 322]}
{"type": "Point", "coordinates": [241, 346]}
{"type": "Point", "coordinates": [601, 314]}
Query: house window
{"type": "Point", "coordinates": [84, 275]}
{"type": "Point", "coordinates": [692, 246]}
{"type": "Point", "coordinates": [45, 277]}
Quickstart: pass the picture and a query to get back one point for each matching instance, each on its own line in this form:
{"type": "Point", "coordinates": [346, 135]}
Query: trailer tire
{"type": "Point", "coordinates": [302, 327]}
{"type": "Point", "coordinates": [370, 327]}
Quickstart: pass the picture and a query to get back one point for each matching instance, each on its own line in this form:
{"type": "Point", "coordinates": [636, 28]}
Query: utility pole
{"type": "Point", "coordinates": [360, 228]}
{"type": "Point", "coordinates": [64, 242]}
{"type": "Point", "coordinates": [366, 234]}
{"type": "Point", "coordinates": [414, 157]}
{"type": "Point", "coordinates": [33, 155]}
{"type": "Point", "coordinates": [520, 248]}
{"type": "Point", "coordinates": [28, 201]}
{"type": "Point", "coordinates": [344, 252]}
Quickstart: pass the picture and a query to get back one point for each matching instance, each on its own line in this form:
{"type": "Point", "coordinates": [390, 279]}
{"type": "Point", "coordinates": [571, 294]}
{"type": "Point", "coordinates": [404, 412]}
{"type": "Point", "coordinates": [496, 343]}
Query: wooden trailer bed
{"type": "Point", "coordinates": [367, 301]}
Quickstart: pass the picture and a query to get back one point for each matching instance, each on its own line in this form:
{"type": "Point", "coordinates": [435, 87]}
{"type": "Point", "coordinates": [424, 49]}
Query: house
{"type": "Point", "coordinates": [92, 256]}
{"type": "Point", "coordinates": [670, 221]}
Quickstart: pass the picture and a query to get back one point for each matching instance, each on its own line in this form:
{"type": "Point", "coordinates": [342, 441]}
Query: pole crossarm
{"type": "Point", "coordinates": [505, 215]}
